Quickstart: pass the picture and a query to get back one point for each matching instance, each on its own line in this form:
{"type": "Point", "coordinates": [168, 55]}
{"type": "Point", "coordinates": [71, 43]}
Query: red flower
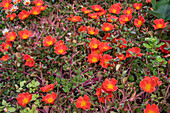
{"type": "Point", "coordinates": [123, 43]}
{"type": "Point", "coordinates": [93, 15]}
{"type": "Point", "coordinates": [121, 56]}
{"type": "Point", "coordinates": [115, 8]}
{"type": "Point", "coordinates": [104, 61]}
{"type": "Point", "coordinates": [101, 98]}
{"type": "Point", "coordinates": [102, 12]}
{"type": "Point", "coordinates": [159, 23]}
{"type": "Point", "coordinates": [112, 18]}
{"type": "Point", "coordinates": [106, 35]}
{"type": "Point", "coordinates": [148, 1]}
{"type": "Point", "coordinates": [60, 48]}
{"type": "Point", "coordinates": [134, 50]}
{"type": "Point", "coordinates": [39, 2]}
{"type": "Point", "coordinates": [24, 98]}
{"type": "Point", "coordinates": [23, 15]}
{"type": "Point", "coordinates": [92, 31]}
{"type": "Point", "coordinates": [11, 36]}
{"type": "Point", "coordinates": [6, 45]}
{"type": "Point", "coordinates": [107, 27]}
{"type": "Point", "coordinates": [35, 10]}
{"type": "Point", "coordinates": [158, 83]}
{"type": "Point", "coordinates": [83, 102]}
{"type": "Point", "coordinates": [74, 18]}
{"type": "Point", "coordinates": [6, 4]}
{"type": "Point", "coordinates": [139, 22]}
{"type": "Point", "coordinates": [137, 5]}
{"type": "Point", "coordinates": [97, 51]}
{"type": "Point", "coordinates": [151, 109]}
{"type": "Point", "coordinates": [82, 28]}
{"type": "Point", "coordinates": [49, 98]}
{"type": "Point", "coordinates": [148, 84]}
{"type": "Point", "coordinates": [25, 34]}
{"type": "Point", "coordinates": [48, 41]}
{"type": "Point", "coordinates": [104, 46]}
{"type": "Point", "coordinates": [47, 88]}
{"type": "Point", "coordinates": [29, 60]}
{"type": "Point", "coordinates": [96, 7]}
{"type": "Point", "coordinates": [4, 58]}
{"type": "Point", "coordinates": [11, 16]}
{"type": "Point", "coordinates": [128, 11]}
{"type": "Point", "coordinates": [94, 44]}
{"type": "Point", "coordinates": [43, 7]}
{"type": "Point", "coordinates": [93, 57]}
{"type": "Point", "coordinates": [86, 11]}
{"type": "Point", "coordinates": [109, 86]}
{"type": "Point", "coordinates": [163, 48]}
{"type": "Point", "coordinates": [125, 18]}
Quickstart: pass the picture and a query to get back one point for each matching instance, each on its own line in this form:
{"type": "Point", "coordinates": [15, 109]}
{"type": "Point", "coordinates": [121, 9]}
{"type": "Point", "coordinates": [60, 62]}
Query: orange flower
{"type": "Point", "coordinates": [93, 15]}
{"type": "Point", "coordinates": [139, 22]}
{"type": "Point", "coordinates": [24, 98]}
{"type": "Point", "coordinates": [128, 11]}
{"type": "Point", "coordinates": [48, 41]}
{"type": "Point", "coordinates": [135, 51]}
{"type": "Point", "coordinates": [159, 23]}
{"type": "Point", "coordinates": [6, 4]}
{"type": "Point", "coordinates": [49, 99]}
{"type": "Point", "coordinates": [115, 8]}
{"type": "Point", "coordinates": [151, 109]}
{"type": "Point", "coordinates": [43, 7]}
{"type": "Point", "coordinates": [96, 7]}
{"type": "Point", "coordinates": [47, 88]}
{"type": "Point", "coordinates": [60, 48]}
{"type": "Point", "coordinates": [148, 1]}
{"type": "Point", "coordinates": [101, 98]}
{"type": "Point", "coordinates": [86, 11]}
{"type": "Point", "coordinates": [104, 46]}
{"type": "Point", "coordinates": [29, 60]}
{"type": "Point", "coordinates": [92, 31]}
{"type": "Point", "coordinates": [93, 57]}
{"type": "Point", "coordinates": [158, 83]}
{"type": "Point", "coordinates": [4, 58]}
{"type": "Point", "coordinates": [35, 10]}
{"type": "Point", "coordinates": [97, 51]}
{"type": "Point", "coordinates": [102, 12]}
{"type": "Point", "coordinates": [23, 15]}
{"type": "Point", "coordinates": [39, 2]}
{"type": "Point", "coordinates": [148, 84]}
{"type": "Point", "coordinates": [83, 102]}
{"type": "Point", "coordinates": [74, 18]}
{"type": "Point", "coordinates": [11, 16]}
{"type": "Point", "coordinates": [137, 5]}
{"type": "Point", "coordinates": [125, 18]}
{"type": "Point", "coordinates": [11, 36]}
{"type": "Point", "coordinates": [94, 44]}
{"type": "Point", "coordinates": [104, 61]}
{"type": "Point", "coordinates": [107, 27]}
{"type": "Point", "coordinates": [109, 86]}
{"type": "Point", "coordinates": [82, 28]}
{"type": "Point", "coordinates": [25, 34]}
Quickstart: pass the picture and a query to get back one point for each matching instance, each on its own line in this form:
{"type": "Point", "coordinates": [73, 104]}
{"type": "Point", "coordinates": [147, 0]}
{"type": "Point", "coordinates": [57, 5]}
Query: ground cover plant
{"type": "Point", "coordinates": [106, 56]}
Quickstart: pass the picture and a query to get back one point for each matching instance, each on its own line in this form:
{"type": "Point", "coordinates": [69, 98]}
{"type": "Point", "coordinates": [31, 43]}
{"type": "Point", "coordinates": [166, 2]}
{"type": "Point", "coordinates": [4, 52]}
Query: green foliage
{"type": "Point", "coordinates": [7, 106]}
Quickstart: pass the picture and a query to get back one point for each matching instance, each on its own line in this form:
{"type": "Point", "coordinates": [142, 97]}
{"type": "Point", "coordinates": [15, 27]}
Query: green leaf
{"type": "Point", "coordinates": [154, 4]}
{"type": "Point", "coordinates": [22, 83]}
{"type": "Point", "coordinates": [4, 103]}
{"type": "Point", "coordinates": [11, 109]}
{"type": "Point", "coordinates": [160, 44]}
{"type": "Point", "coordinates": [164, 10]}
{"type": "Point", "coordinates": [147, 45]}
{"type": "Point", "coordinates": [155, 13]}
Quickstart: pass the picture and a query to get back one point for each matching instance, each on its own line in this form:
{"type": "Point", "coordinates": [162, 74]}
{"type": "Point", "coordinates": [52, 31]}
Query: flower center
{"type": "Point", "coordinates": [137, 7]}
{"type": "Point", "coordinates": [126, 19]}
{"type": "Point", "coordinates": [114, 10]}
{"type": "Point", "coordinates": [83, 103]}
{"type": "Point", "coordinates": [25, 36]}
{"type": "Point", "coordinates": [150, 111]}
{"type": "Point", "coordinates": [25, 101]}
{"type": "Point", "coordinates": [148, 87]}
{"type": "Point", "coordinates": [7, 4]}
{"type": "Point", "coordinates": [139, 22]}
{"type": "Point", "coordinates": [50, 100]}
{"type": "Point", "coordinates": [12, 38]}
{"type": "Point", "coordinates": [60, 50]}
{"type": "Point", "coordinates": [159, 25]}
{"type": "Point", "coordinates": [107, 28]}
{"type": "Point", "coordinates": [97, 9]}
{"type": "Point", "coordinates": [128, 12]}
{"type": "Point", "coordinates": [94, 59]}
{"type": "Point", "coordinates": [110, 86]}
{"type": "Point", "coordinates": [49, 42]}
